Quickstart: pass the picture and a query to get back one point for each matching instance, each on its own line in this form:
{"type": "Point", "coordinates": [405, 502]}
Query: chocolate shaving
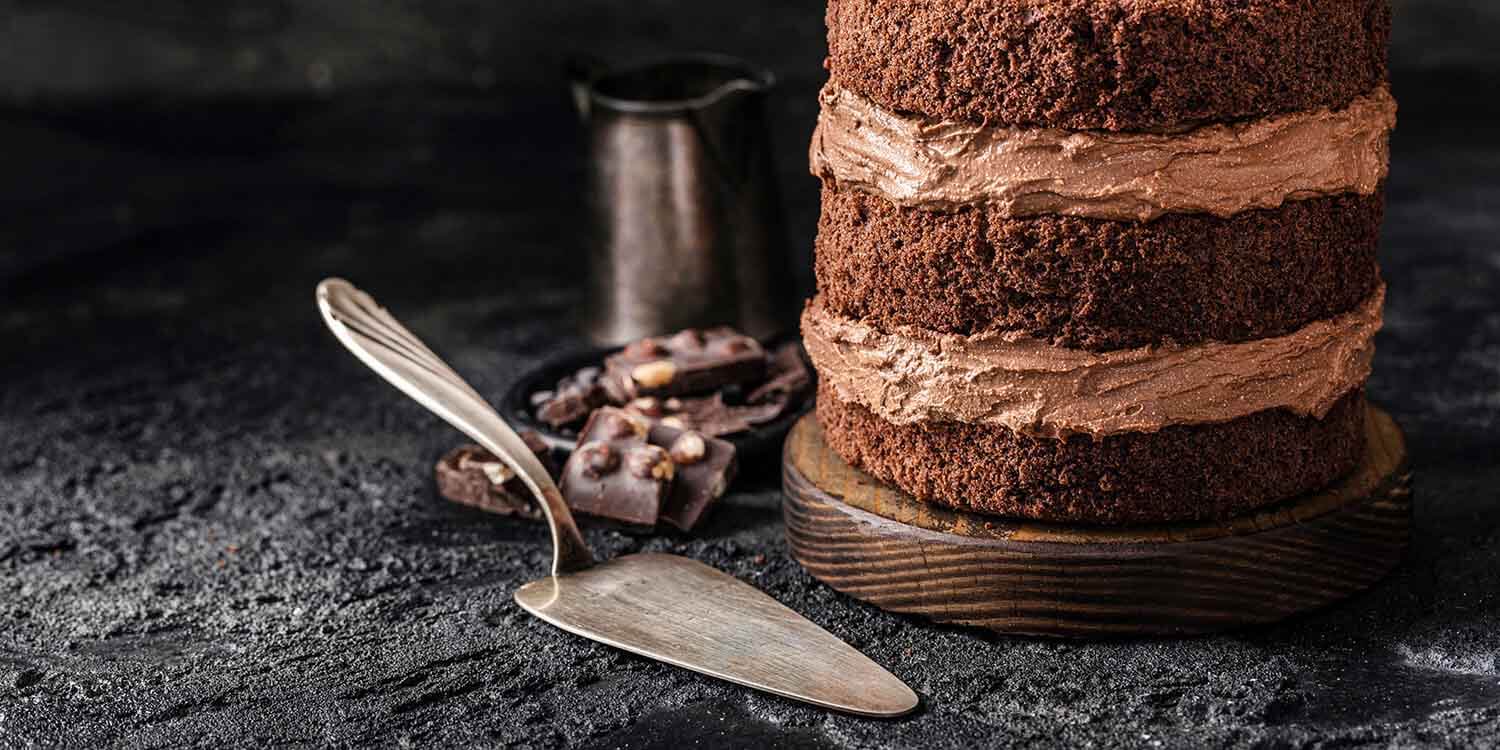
{"type": "Point", "coordinates": [789, 376]}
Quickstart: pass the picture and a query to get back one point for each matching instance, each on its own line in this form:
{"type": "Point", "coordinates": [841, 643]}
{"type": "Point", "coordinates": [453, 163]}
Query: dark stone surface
{"type": "Point", "coordinates": [217, 529]}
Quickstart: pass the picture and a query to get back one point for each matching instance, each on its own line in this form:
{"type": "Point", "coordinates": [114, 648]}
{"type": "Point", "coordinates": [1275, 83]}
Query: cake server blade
{"type": "Point", "coordinates": [682, 612]}
{"type": "Point", "coordinates": [664, 607]}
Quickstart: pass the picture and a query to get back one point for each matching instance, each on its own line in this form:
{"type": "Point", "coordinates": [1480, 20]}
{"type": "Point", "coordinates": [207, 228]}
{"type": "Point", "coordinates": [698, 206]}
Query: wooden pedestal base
{"type": "Point", "coordinates": [878, 544]}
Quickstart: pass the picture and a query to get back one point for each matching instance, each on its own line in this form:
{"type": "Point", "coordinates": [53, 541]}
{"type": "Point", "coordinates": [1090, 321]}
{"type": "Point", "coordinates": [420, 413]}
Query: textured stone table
{"type": "Point", "coordinates": [217, 529]}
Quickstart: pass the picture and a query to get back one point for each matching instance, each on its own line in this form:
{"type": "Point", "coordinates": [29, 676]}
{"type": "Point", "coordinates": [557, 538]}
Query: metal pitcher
{"type": "Point", "coordinates": [687, 219]}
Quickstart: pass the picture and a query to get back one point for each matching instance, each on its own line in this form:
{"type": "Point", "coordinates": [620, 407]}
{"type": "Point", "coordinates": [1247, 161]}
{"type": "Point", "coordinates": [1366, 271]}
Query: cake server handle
{"type": "Point", "coordinates": [385, 346]}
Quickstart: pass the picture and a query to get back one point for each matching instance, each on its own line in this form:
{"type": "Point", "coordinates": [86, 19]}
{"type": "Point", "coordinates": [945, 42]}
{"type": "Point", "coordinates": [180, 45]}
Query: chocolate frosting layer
{"type": "Point", "coordinates": [910, 375]}
{"type": "Point", "coordinates": [1219, 169]}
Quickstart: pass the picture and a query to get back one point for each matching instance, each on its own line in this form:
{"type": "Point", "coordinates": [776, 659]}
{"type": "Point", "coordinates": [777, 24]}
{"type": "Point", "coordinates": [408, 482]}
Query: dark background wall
{"type": "Point", "coordinates": [125, 118]}
{"type": "Point", "coordinates": [179, 47]}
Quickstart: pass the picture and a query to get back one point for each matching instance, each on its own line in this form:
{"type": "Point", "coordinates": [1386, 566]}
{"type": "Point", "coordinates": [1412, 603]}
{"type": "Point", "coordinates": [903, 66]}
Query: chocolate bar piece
{"type": "Point", "coordinates": [473, 476]}
{"type": "Point", "coordinates": [705, 467]}
{"type": "Point", "coordinates": [625, 483]}
{"type": "Point", "coordinates": [614, 473]}
{"type": "Point", "coordinates": [685, 363]}
{"type": "Point", "coordinates": [576, 396]}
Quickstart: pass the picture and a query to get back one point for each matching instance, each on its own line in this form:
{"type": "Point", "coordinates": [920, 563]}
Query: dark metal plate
{"type": "Point", "coordinates": [516, 406]}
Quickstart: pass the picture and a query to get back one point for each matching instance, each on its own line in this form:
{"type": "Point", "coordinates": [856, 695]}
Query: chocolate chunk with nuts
{"type": "Point", "coordinates": [631, 490]}
{"type": "Point", "coordinates": [716, 382]}
{"type": "Point", "coordinates": [576, 396]}
{"type": "Point", "coordinates": [705, 466]}
{"type": "Point", "coordinates": [473, 476]}
{"type": "Point", "coordinates": [687, 362]}
{"type": "Point", "coordinates": [614, 473]}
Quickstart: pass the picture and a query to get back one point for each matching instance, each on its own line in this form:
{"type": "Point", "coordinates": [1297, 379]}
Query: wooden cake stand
{"type": "Point", "coordinates": [878, 544]}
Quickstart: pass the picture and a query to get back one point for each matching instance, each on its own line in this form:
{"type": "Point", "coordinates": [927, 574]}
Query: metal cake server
{"type": "Point", "coordinates": [664, 607]}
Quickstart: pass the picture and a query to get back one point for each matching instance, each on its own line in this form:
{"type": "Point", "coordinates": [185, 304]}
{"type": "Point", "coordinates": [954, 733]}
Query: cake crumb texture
{"type": "Point", "coordinates": [1107, 64]}
{"type": "Point", "coordinates": [1183, 473]}
{"type": "Point", "coordinates": [1096, 284]}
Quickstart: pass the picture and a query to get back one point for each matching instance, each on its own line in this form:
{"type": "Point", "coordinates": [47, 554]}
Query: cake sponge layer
{"type": "Point", "coordinates": [1180, 473]}
{"type": "Point", "coordinates": [1097, 284]}
{"type": "Point", "coordinates": [1107, 64]}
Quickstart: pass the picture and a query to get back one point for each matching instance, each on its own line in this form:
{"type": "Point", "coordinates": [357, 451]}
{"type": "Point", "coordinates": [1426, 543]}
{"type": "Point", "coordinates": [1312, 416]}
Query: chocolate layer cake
{"type": "Point", "coordinates": [1100, 260]}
